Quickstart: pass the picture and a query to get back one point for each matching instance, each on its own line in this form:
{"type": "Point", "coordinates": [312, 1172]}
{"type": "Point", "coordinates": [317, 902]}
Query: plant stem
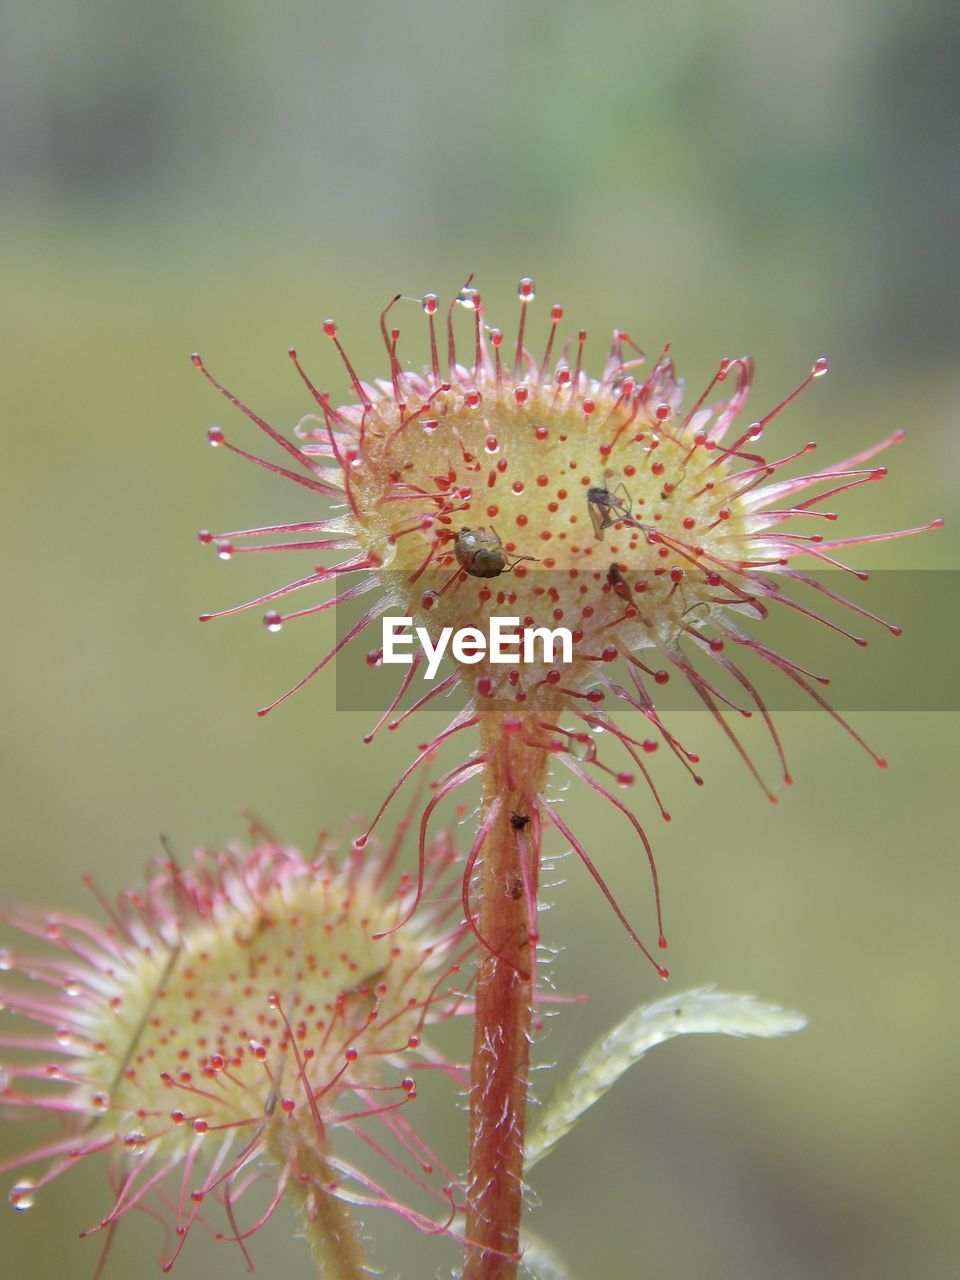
{"type": "Point", "coordinates": [327, 1223]}
{"type": "Point", "coordinates": [513, 778]}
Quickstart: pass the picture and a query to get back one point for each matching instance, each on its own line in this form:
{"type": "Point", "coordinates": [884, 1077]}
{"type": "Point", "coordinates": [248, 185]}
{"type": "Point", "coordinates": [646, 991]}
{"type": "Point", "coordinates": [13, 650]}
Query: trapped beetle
{"type": "Point", "coordinates": [480, 553]}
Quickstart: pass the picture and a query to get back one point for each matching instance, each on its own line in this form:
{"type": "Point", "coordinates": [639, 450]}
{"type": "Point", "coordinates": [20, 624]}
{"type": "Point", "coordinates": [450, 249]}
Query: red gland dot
{"type": "Point", "coordinates": [520, 395]}
{"type": "Point", "coordinates": [661, 677]}
{"type": "Point", "coordinates": [330, 328]}
{"type": "Point", "coordinates": [214, 436]}
{"type": "Point", "coordinates": [588, 406]}
{"type": "Point", "coordinates": [351, 1054]}
{"type": "Point", "coordinates": [542, 433]}
{"type": "Point", "coordinates": [429, 302]}
{"type": "Point", "coordinates": [288, 1105]}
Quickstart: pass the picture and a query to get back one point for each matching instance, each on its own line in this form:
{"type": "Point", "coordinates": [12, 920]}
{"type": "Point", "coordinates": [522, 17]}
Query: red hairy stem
{"type": "Point", "coordinates": [514, 776]}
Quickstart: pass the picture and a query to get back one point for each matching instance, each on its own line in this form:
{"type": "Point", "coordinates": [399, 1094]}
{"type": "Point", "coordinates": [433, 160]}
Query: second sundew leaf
{"type": "Point", "coordinates": [697, 1012]}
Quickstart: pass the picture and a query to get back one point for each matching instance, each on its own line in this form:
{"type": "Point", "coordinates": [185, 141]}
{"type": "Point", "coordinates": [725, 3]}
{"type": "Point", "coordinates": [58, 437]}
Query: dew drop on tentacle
{"type": "Point", "coordinates": [23, 1195]}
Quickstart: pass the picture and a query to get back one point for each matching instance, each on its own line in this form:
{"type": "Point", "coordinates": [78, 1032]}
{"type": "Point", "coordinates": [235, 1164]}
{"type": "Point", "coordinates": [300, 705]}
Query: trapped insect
{"type": "Point", "coordinates": [607, 506]}
{"type": "Point", "coordinates": [617, 580]}
{"type": "Point", "coordinates": [480, 553]}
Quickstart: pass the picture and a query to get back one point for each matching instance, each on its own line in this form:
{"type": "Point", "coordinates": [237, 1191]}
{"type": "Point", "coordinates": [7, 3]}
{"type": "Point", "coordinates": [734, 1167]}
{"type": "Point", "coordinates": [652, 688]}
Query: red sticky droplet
{"type": "Point", "coordinates": [330, 328]}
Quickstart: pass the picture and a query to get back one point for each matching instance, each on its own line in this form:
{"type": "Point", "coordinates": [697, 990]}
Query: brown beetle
{"type": "Point", "coordinates": [480, 553]}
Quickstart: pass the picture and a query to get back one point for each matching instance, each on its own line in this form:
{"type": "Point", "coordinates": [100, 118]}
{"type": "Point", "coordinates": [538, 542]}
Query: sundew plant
{"type": "Point", "coordinates": [620, 537]}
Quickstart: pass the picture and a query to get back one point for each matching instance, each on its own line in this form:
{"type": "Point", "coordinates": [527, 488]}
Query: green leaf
{"type": "Point", "coordinates": [690, 1013]}
{"type": "Point", "coordinates": [540, 1260]}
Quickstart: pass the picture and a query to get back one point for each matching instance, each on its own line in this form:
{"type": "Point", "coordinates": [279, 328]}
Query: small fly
{"type": "Point", "coordinates": [607, 506]}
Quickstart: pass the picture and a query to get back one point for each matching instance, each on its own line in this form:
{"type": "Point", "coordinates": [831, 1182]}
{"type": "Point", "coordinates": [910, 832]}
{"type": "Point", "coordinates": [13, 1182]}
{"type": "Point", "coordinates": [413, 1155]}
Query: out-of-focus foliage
{"type": "Point", "coordinates": [773, 178]}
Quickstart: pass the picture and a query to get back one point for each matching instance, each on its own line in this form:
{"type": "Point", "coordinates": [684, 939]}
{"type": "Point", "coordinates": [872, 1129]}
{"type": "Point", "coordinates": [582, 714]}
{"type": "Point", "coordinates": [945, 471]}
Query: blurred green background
{"type": "Point", "coordinates": [769, 177]}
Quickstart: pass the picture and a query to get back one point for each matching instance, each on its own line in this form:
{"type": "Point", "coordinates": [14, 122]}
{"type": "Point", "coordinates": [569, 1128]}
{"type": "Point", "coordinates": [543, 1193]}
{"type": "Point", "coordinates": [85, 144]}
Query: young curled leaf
{"type": "Point", "coordinates": [699, 1011]}
{"type": "Point", "coordinates": [540, 1260]}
